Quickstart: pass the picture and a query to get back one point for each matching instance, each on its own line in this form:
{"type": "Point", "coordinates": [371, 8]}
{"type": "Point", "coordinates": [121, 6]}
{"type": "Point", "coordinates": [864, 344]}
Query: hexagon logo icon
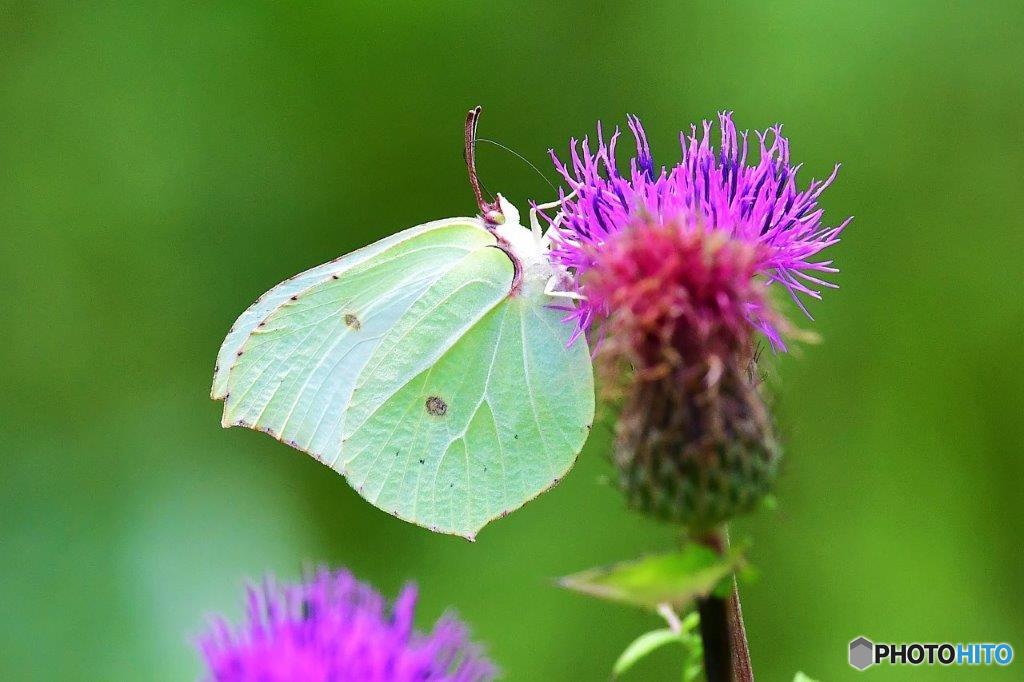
{"type": "Point", "coordinates": [862, 653]}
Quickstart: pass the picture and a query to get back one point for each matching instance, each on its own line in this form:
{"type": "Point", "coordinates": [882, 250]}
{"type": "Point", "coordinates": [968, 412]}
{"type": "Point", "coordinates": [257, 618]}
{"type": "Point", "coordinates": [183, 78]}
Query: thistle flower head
{"type": "Point", "coordinates": [693, 237]}
{"type": "Point", "coordinates": [690, 294]}
{"type": "Point", "coordinates": [332, 628]}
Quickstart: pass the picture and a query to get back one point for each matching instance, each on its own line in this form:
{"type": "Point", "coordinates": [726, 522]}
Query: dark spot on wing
{"type": "Point", "coordinates": [352, 322]}
{"type": "Point", "coordinates": [436, 406]}
{"type": "Point", "coordinates": [294, 298]}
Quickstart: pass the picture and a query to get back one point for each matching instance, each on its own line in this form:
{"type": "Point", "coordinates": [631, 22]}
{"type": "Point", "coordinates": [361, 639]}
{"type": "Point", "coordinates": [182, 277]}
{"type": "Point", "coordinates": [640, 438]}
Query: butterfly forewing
{"type": "Point", "coordinates": [471, 233]}
{"type": "Point", "coordinates": [294, 374]}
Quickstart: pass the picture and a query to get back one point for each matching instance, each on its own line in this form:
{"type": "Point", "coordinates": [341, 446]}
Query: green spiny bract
{"type": "Point", "coordinates": [696, 453]}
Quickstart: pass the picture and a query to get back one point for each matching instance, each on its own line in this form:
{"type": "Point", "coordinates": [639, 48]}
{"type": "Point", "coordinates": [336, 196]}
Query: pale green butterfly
{"type": "Point", "coordinates": [428, 368]}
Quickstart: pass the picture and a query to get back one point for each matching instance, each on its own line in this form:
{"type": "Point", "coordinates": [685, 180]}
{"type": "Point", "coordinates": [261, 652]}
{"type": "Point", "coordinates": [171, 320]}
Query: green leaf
{"type": "Point", "coordinates": [693, 668]}
{"type": "Point", "coordinates": [439, 383]}
{"type": "Point", "coordinates": [747, 574]}
{"type": "Point", "coordinates": [644, 645]}
{"type": "Point", "coordinates": [800, 677]}
{"type": "Point", "coordinates": [676, 578]}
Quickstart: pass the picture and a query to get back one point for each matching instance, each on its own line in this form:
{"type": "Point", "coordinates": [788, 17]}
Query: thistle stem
{"type": "Point", "coordinates": [715, 633]}
{"type": "Point", "coordinates": [715, 636]}
{"type": "Point", "coordinates": [723, 619]}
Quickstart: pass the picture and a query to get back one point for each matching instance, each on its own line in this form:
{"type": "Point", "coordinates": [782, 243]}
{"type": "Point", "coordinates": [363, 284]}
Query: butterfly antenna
{"type": "Point", "coordinates": [522, 158]}
{"type": "Point", "coordinates": [491, 211]}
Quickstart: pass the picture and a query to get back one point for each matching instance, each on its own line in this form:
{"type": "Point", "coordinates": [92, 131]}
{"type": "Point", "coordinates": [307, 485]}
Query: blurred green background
{"type": "Point", "coordinates": [162, 164]}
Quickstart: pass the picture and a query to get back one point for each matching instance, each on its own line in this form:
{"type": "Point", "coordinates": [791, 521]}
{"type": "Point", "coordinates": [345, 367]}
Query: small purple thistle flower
{"type": "Point", "coordinates": [709, 190]}
{"type": "Point", "coordinates": [333, 628]}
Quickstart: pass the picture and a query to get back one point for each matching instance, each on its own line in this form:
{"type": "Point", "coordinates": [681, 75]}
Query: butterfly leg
{"type": "Point", "coordinates": [535, 222]}
{"type": "Point", "coordinates": [551, 289]}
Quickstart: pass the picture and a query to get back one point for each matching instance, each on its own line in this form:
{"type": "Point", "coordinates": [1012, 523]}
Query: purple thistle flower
{"type": "Point", "coordinates": [709, 191]}
{"type": "Point", "coordinates": [333, 628]}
